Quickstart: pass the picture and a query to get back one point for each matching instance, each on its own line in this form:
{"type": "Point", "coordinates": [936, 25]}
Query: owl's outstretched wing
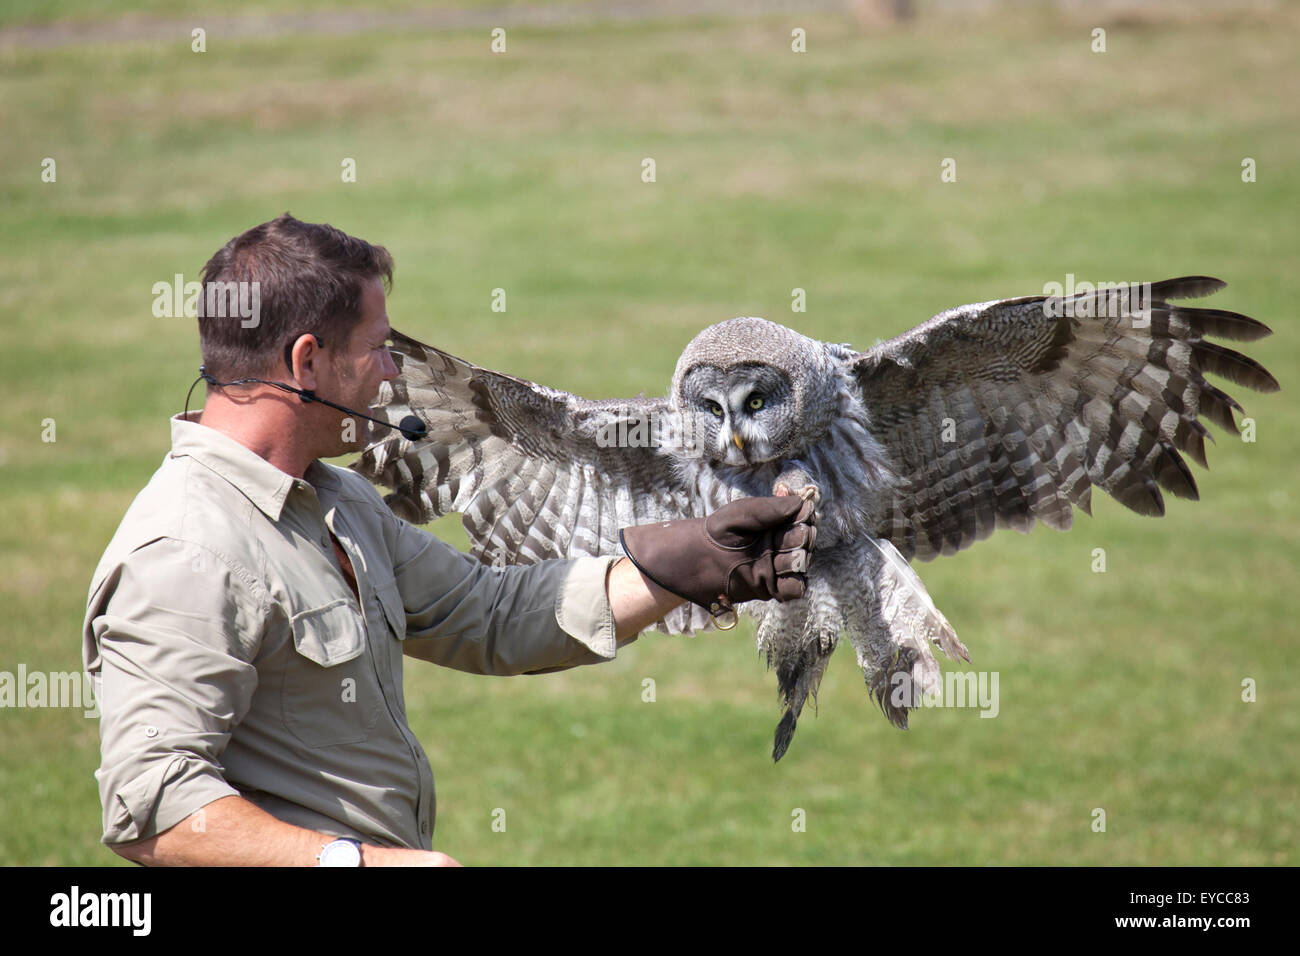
{"type": "Point", "coordinates": [1005, 413]}
{"type": "Point", "coordinates": [536, 473]}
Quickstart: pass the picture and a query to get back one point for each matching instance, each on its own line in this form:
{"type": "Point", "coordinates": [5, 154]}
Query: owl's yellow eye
{"type": "Point", "coordinates": [755, 402]}
{"type": "Point", "coordinates": [716, 409]}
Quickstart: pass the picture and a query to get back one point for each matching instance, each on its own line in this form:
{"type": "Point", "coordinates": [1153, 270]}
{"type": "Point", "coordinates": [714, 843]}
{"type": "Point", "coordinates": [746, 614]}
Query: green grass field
{"type": "Point", "coordinates": [775, 170]}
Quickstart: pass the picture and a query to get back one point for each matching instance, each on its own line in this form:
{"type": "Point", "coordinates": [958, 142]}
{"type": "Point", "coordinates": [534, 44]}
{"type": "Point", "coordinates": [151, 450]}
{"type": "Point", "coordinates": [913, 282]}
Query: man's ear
{"type": "Point", "coordinates": [304, 356]}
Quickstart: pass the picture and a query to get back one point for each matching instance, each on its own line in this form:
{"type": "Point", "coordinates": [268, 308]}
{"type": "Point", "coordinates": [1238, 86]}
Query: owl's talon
{"type": "Point", "coordinates": [794, 480]}
{"type": "Point", "coordinates": [808, 492]}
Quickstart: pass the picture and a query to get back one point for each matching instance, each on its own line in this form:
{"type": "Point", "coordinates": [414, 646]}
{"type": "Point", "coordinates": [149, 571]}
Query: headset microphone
{"type": "Point", "coordinates": [411, 427]}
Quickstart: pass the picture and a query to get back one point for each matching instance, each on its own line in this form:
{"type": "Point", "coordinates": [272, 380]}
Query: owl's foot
{"type": "Point", "coordinates": [795, 481]}
{"type": "Point", "coordinates": [893, 693]}
{"type": "Point", "coordinates": [807, 492]}
{"type": "Point", "coordinates": [799, 671]}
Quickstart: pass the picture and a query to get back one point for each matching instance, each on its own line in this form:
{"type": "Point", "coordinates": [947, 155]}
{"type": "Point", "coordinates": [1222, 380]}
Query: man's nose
{"type": "Point", "coordinates": [390, 367]}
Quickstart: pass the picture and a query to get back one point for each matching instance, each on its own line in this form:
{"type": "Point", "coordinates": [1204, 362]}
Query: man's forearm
{"type": "Point", "coordinates": [637, 602]}
{"type": "Point", "coordinates": [235, 832]}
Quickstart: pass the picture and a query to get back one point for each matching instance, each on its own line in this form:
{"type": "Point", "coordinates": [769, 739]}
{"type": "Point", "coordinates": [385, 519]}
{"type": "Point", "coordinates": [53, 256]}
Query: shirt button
{"type": "Point", "coordinates": [151, 731]}
{"type": "Point", "coordinates": [424, 827]}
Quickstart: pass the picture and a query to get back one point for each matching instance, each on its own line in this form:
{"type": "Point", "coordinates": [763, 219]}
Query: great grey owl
{"type": "Point", "coordinates": [998, 414]}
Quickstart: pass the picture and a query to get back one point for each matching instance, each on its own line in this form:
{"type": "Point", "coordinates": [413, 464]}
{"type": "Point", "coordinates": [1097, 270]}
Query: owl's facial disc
{"type": "Point", "coordinates": [743, 412]}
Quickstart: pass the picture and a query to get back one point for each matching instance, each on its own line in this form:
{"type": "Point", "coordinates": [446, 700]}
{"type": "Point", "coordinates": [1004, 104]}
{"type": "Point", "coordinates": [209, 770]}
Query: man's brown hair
{"type": "Point", "coordinates": [310, 277]}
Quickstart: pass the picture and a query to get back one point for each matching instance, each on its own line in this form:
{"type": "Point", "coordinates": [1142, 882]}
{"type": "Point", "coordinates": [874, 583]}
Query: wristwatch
{"type": "Point", "coordinates": [342, 852]}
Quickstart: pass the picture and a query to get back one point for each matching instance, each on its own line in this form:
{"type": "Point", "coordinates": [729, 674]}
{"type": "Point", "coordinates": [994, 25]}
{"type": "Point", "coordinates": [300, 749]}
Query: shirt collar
{"type": "Point", "coordinates": [260, 481]}
{"type": "Point", "coordinates": [325, 483]}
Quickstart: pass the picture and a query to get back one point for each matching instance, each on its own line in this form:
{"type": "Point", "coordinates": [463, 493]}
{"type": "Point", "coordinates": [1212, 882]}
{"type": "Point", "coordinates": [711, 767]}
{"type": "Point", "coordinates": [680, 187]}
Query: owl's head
{"type": "Point", "coordinates": [754, 391]}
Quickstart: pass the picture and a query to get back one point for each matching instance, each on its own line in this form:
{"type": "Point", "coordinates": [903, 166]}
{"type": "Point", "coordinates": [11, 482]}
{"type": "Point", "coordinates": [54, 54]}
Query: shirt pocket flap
{"type": "Point", "coordinates": [330, 634]}
{"type": "Point", "coordinates": [390, 598]}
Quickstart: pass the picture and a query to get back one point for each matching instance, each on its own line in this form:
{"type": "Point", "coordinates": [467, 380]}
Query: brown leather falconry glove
{"type": "Point", "coordinates": [754, 549]}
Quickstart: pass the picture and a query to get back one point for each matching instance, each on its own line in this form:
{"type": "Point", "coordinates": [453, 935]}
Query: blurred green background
{"type": "Point", "coordinates": [774, 170]}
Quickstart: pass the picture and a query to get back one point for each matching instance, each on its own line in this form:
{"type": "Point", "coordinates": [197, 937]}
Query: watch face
{"type": "Point", "coordinates": [340, 853]}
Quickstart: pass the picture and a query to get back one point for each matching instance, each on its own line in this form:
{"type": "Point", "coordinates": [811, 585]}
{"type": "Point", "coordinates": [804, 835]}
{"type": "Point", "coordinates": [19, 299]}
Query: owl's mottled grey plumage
{"type": "Point", "coordinates": [999, 414]}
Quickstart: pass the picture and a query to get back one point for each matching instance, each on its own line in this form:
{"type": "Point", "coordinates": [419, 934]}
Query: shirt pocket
{"type": "Point", "coordinates": [330, 694]}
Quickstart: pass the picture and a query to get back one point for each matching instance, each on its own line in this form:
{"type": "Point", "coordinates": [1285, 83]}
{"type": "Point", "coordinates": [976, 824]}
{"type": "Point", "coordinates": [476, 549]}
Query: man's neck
{"type": "Point", "coordinates": [265, 422]}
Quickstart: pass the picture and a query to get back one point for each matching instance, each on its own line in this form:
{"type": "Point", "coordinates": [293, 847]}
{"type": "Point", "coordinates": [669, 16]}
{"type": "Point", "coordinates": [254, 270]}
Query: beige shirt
{"type": "Point", "coordinates": [231, 657]}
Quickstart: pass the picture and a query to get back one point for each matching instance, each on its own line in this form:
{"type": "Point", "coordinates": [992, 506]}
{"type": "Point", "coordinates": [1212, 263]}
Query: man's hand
{"type": "Point", "coordinates": [388, 856]}
{"type": "Point", "coordinates": [754, 549]}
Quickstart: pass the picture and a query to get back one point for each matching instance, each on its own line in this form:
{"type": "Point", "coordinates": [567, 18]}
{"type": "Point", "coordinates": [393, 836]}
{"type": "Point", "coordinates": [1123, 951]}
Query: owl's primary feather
{"type": "Point", "coordinates": [1000, 414]}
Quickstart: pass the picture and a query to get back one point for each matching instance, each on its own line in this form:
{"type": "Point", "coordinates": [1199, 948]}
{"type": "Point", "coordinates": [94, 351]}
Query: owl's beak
{"type": "Point", "coordinates": [736, 438]}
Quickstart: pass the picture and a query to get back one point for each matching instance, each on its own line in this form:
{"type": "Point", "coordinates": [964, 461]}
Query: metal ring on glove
{"type": "Point", "coordinates": [721, 610]}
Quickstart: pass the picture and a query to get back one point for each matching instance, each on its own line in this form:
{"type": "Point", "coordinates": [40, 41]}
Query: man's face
{"type": "Point", "coordinates": [358, 367]}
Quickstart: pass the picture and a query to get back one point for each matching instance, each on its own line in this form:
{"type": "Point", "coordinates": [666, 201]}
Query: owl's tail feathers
{"type": "Point", "coordinates": [894, 643]}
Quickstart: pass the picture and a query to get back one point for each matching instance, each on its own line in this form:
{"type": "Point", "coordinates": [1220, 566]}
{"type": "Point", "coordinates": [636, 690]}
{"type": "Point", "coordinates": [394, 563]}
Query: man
{"type": "Point", "coordinates": [247, 624]}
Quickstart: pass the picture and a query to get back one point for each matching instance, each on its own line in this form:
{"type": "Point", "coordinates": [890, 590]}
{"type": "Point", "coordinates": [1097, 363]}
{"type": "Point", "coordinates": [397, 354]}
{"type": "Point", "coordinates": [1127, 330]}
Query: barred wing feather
{"type": "Point", "coordinates": [536, 473]}
{"type": "Point", "coordinates": [1002, 414]}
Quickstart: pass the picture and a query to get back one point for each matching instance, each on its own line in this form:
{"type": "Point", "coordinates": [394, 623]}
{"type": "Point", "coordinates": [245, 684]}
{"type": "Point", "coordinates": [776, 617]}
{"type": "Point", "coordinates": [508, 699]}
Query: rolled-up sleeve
{"type": "Point", "coordinates": [170, 638]}
{"type": "Point", "coordinates": [513, 620]}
